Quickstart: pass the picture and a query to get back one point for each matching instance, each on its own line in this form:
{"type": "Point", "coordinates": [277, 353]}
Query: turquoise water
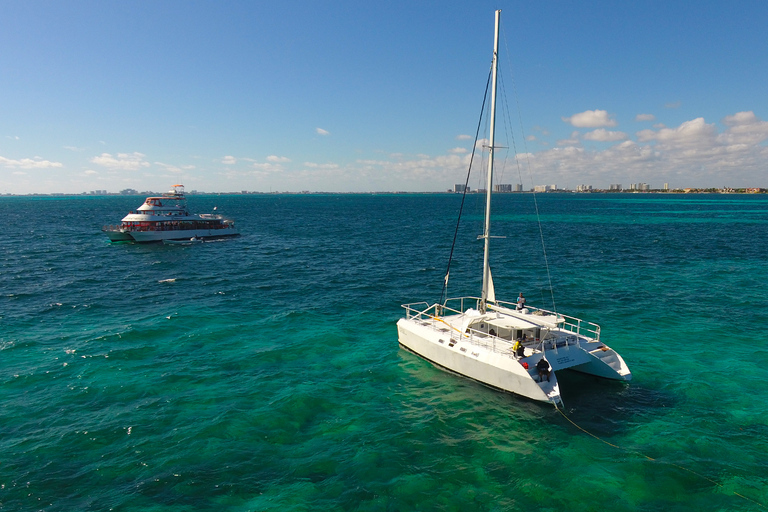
{"type": "Point", "coordinates": [264, 373]}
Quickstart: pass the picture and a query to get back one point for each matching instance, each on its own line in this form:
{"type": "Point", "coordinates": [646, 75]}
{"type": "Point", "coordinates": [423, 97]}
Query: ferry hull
{"type": "Point", "coordinates": [119, 236]}
{"type": "Point", "coordinates": [159, 236]}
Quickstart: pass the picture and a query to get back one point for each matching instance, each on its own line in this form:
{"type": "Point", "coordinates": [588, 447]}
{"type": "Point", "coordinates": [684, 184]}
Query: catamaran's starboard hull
{"type": "Point", "coordinates": [594, 359]}
{"type": "Point", "coordinates": [494, 369]}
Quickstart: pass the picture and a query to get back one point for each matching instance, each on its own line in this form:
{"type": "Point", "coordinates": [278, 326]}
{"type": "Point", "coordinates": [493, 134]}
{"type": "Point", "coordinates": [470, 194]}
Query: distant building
{"type": "Point", "coordinates": [460, 188]}
{"type": "Point", "coordinates": [502, 187]}
{"type": "Point", "coordinates": [666, 186]}
{"type": "Point", "coordinates": [545, 188]}
{"type": "Point", "coordinates": [615, 187]}
{"type": "Point", "coordinates": [519, 187]}
{"type": "Point", "coordinates": [584, 188]}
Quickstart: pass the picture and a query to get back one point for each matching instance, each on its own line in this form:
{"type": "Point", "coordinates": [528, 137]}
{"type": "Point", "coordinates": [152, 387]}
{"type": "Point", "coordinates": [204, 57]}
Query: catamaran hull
{"type": "Point", "coordinates": [594, 358]}
{"type": "Point", "coordinates": [493, 369]}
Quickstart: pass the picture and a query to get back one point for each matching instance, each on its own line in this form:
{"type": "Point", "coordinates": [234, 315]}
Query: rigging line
{"type": "Point", "coordinates": [530, 174]}
{"type": "Point", "coordinates": [678, 466]}
{"type": "Point", "coordinates": [464, 194]}
{"type": "Point", "coordinates": [509, 132]}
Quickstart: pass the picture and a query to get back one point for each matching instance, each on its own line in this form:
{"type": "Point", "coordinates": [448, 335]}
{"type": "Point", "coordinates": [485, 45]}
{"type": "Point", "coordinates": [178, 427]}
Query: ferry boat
{"type": "Point", "coordinates": [166, 218]}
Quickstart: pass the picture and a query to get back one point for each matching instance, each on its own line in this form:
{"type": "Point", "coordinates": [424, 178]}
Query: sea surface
{"type": "Point", "coordinates": [263, 373]}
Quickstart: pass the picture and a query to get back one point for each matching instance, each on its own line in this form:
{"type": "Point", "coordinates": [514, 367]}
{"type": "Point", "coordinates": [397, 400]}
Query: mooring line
{"type": "Point", "coordinates": [655, 460]}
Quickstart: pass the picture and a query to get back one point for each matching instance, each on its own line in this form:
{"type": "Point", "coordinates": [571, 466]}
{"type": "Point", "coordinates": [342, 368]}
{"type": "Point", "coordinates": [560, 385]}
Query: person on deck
{"type": "Point", "coordinates": [543, 367]}
{"type": "Point", "coordinates": [520, 302]}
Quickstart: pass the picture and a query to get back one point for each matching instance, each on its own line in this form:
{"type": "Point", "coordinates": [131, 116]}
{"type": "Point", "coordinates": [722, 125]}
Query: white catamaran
{"type": "Point", "coordinates": [505, 345]}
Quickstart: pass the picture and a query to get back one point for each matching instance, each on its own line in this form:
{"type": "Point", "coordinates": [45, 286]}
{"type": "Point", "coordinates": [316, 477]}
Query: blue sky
{"type": "Point", "coordinates": [353, 96]}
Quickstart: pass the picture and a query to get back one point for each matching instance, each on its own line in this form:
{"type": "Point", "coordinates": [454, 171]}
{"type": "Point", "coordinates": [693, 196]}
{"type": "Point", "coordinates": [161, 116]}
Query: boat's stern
{"type": "Point", "coordinates": [593, 358]}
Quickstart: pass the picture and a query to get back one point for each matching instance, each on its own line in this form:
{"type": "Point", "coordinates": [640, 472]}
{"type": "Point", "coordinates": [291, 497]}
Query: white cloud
{"type": "Point", "coordinates": [266, 166]}
{"type": "Point", "coordinates": [692, 154]}
{"type": "Point", "coordinates": [73, 148]}
{"type": "Point", "coordinates": [175, 169]}
{"type": "Point", "coordinates": [689, 132]}
{"type": "Point", "coordinates": [590, 119]}
{"type": "Point", "coordinates": [741, 118]}
{"type": "Point", "coordinates": [320, 131]}
{"type": "Point", "coordinates": [573, 141]}
{"type": "Point", "coordinates": [278, 159]}
{"type": "Point", "coordinates": [463, 137]}
{"type": "Point", "coordinates": [313, 165]}
{"type": "Point", "coordinates": [603, 135]}
{"type": "Point", "coordinates": [744, 128]}
{"type": "Point", "coordinates": [457, 151]}
{"type": "Point", "coordinates": [123, 162]}
{"type": "Point", "coordinates": [90, 172]}
{"type": "Point", "coordinates": [229, 160]}
{"type": "Point", "coordinates": [645, 117]}
{"type": "Point", "coordinates": [29, 163]}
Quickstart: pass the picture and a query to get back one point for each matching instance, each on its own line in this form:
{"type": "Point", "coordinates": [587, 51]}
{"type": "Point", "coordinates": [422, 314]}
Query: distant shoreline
{"type": "Point", "coordinates": [445, 192]}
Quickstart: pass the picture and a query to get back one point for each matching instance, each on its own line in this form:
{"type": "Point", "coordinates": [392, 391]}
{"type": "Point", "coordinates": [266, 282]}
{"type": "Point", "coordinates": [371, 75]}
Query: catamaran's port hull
{"type": "Point", "coordinates": [494, 369]}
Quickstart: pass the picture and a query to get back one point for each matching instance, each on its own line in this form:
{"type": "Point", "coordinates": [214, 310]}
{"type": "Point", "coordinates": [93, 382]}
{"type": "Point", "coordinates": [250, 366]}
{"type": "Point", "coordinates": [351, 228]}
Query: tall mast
{"type": "Point", "coordinates": [487, 231]}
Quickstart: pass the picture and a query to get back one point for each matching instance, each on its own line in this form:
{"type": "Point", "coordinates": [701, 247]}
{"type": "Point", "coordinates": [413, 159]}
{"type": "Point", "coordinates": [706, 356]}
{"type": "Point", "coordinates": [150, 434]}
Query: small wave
{"type": "Point", "coordinates": [167, 280]}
